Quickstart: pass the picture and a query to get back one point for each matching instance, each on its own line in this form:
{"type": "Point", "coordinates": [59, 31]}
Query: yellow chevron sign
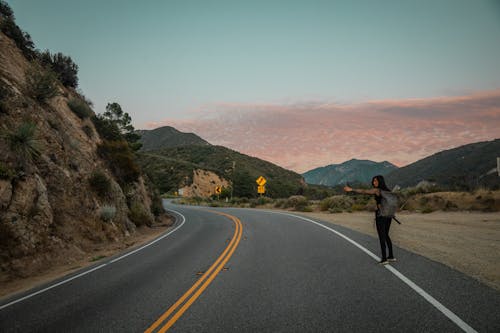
{"type": "Point", "coordinates": [261, 181]}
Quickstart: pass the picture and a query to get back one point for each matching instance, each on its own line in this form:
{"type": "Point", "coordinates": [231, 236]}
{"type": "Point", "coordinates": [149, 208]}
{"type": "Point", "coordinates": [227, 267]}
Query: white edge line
{"type": "Point", "coordinates": [438, 305]}
{"type": "Point", "coordinates": [95, 268]}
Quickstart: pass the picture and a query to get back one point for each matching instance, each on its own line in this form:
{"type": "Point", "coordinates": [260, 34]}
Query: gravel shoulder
{"type": "Point", "coordinates": [466, 241]}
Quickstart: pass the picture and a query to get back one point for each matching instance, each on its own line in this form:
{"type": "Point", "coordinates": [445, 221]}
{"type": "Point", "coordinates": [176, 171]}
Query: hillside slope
{"type": "Point", "coordinates": [166, 137]}
{"type": "Point", "coordinates": [48, 158]}
{"type": "Point", "coordinates": [461, 168]}
{"type": "Point", "coordinates": [353, 171]}
{"type": "Point", "coordinates": [173, 168]}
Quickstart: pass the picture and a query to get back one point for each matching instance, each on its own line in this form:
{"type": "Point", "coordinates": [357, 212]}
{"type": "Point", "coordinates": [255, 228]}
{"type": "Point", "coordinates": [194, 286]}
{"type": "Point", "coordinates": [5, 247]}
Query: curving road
{"type": "Point", "coordinates": [247, 270]}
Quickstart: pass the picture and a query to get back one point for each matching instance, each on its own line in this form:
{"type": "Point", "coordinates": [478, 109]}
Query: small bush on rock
{"type": "Point", "coordinates": [100, 183]}
{"type": "Point", "coordinates": [107, 213]}
{"type": "Point", "coordinates": [41, 84]}
{"type": "Point", "coordinates": [80, 108]}
{"type": "Point", "coordinates": [139, 215]}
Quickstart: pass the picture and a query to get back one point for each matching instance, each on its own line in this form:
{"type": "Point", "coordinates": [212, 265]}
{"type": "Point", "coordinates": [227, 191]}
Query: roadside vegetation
{"type": "Point", "coordinates": [412, 200]}
{"type": "Point", "coordinates": [59, 65]}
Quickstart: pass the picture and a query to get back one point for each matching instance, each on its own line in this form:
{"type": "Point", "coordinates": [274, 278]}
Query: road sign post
{"type": "Point", "coordinates": [261, 181]}
{"type": "Point", "coordinates": [261, 189]}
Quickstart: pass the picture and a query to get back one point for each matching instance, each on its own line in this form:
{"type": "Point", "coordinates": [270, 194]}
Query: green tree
{"type": "Point", "coordinates": [62, 65]}
{"type": "Point", "coordinates": [22, 39]}
{"type": "Point", "coordinates": [5, 10]}
{"type": "Point", "coordinates": [123, 122]}
{"type": "Point", "coordinates": [243, 184]}
{"type": "Point", "coordinates": [9, 27]}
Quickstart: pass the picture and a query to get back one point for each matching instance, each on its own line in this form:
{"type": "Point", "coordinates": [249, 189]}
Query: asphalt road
{"type": "Point", "coordinates": [272, 273]}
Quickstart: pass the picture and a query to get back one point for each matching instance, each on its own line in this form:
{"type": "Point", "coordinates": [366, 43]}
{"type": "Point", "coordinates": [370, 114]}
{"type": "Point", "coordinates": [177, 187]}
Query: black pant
{"type": "Point", "coordinates": [383, 225]}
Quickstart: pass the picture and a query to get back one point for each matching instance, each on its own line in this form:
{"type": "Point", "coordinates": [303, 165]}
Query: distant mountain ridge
{"type": "Point", "coordinates": [171, 159]}
{"type": "Point", "coordinates": [353, 170]}
{"type": "Point", "coordinates": [166, 137]}
{"type": "Point", "coordinates": [461, 168]}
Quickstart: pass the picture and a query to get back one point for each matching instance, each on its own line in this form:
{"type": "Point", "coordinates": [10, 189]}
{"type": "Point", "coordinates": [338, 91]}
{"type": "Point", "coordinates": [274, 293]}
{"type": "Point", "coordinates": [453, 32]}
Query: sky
{"type": "Point", "coordinates": [302, 84]}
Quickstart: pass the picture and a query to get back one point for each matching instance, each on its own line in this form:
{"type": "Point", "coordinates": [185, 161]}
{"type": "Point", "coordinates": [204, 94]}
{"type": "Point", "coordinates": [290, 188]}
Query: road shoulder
{"type": "Point", "coordinates": [466, 241]}
{"type": "Point", "coordinates": [101, 252]}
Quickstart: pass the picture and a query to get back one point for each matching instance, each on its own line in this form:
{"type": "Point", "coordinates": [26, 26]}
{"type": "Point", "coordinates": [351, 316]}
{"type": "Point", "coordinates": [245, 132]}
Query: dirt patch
{"type": "Point", "coordinates": [80, 259]}
{"type": "Point", "coordinates": [466, 241]}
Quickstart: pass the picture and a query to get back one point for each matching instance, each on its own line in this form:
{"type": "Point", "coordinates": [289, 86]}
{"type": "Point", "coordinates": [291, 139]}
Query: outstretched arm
{"type": "Point", "coordinates": [362, 191]}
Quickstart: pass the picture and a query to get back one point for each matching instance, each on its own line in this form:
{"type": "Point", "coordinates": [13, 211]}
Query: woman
{"type": "Point", "coordinates": [383, 223]}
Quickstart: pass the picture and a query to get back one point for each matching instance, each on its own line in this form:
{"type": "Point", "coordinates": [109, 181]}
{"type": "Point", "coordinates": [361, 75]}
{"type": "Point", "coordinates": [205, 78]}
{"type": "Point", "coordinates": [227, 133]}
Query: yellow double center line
{"type": "Point", "coordinates": [203, 282]}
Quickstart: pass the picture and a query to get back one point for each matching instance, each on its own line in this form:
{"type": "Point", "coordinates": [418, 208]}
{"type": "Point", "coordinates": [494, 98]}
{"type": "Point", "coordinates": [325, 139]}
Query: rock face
{"type": "Point", "coordinates": [47, 206]}
{"type": "Point", "coordinates": [204, 183]}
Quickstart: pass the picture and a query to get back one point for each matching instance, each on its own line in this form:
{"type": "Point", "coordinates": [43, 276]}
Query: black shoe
{"type": "Point", "coordinates": [383, 262]}
{"type": "Point", "coordinates": [391, 259]}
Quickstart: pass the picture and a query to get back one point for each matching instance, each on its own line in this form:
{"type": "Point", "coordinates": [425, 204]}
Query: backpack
{"type": "Point", "coordinates": [389, 204]}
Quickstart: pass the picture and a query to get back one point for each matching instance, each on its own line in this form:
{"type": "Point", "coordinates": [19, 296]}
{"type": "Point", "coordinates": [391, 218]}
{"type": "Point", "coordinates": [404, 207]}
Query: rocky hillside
{"type": "Point", "coordinates": [461, 168]}
{"type": "Point", "coordinates": [353, 171]}
{"type": "Point", "coordinates": [166, 137]}
{"type": "Point", "coordinates": [63, 186]}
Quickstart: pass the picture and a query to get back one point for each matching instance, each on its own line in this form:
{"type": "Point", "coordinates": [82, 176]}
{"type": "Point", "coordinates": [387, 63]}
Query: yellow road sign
{"type": "Point", "coordinates": [261, 181]}
{"type": "Point", "coordinates": [261, 189]}
{"type": "Point", "coordinates": [218, 189]}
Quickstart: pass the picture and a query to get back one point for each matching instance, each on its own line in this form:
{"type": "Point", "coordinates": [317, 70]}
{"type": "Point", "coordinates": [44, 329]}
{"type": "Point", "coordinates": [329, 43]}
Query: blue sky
{"type": "Point", "coordinates": [161, 58]}
{"type": "Point", "coordinates": [171, 60]}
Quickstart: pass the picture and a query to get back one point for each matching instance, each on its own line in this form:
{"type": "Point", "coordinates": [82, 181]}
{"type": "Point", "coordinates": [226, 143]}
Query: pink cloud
{"type": "Point", "coordinates": [307, 135]}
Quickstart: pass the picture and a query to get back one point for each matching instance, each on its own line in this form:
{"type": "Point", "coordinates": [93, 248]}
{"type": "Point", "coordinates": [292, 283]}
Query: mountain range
{"type": "Point", "coordinates": [462, 168]}
{"type": "Point", "coordinates": [172, 160]}
{"type": "Point", "coordinates": [353, 171]}
{"type": "Point", "coordinates": [166, 137]}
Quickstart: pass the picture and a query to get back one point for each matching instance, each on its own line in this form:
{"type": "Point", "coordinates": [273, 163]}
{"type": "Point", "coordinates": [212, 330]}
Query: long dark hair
{"type": "Point", "coordinates": [381, 182]}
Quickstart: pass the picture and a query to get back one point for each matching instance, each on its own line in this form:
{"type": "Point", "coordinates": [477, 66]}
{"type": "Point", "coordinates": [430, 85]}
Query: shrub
{"type": "Point", "coordinates": [5, 10]}
{"type": "Point", "coordinates": [22, 39]}
{"type": "Point", "coordinates": [358, 207]}
{"type": "Point", "coordinates": [337, 204]}
{"type": "Point", "coordinates": [260, 201]}
{"type": "Point", "coordinates": [23, 142]}
{"type": "Point", "coordinates": [63, 66]}
{"type": "Point", "coordinates": [427, 210]}
{"type": "Point", "coordinates": [157, 204]}
{"type": "Point", "coordinates": [6, 172]}
{"type": "Point", "coordinates": [280, 203]}
{"type": "Point", "coordinates": [139, 215]}
{"type": "Point", "coordinates": [5, 93]}
{"type": "Point", "coordinates": [297, 202]}
{"type": "Point", "coordinates": [80, 108]}
{"type": "Point", "coordinates": [121, 160]}
{"type": "Point", "coordinates": [100, 183]}
{"type": "Point", "coordinates": [107, 213]}
{"type": "Point", "coordinates": [88, 130]}
{"type": "Point", "coordinates": [41, 84]}
{"type": "Point", "coordinates": [449, 205]}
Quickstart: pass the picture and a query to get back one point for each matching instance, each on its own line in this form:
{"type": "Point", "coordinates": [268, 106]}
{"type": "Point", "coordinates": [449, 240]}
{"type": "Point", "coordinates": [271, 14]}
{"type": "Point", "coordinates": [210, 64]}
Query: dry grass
{"type": "Point", "coordinates": [480, 200]}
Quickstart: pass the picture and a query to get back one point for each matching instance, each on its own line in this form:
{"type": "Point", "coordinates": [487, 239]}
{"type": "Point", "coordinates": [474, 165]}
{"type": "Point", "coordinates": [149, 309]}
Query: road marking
{"type": "Point", "coordinates": [443, 309]}
{"type": "Point", "coordinates": [204, 280]}
{"type": "Point", "coordinates": [95, 268]}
